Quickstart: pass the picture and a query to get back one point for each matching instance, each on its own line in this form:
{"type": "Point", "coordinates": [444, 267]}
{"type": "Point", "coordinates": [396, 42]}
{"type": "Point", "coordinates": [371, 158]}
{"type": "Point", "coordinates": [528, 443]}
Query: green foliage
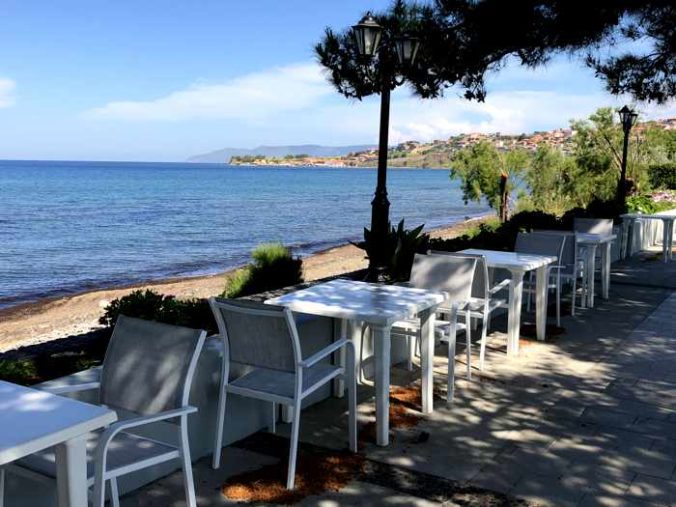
{"type": "Point", "coordinates": [273, 267]}
{"type": "Point", "coordinates": [463, 41]}
{"type": "Point", "coordinates": [645, 204]}
{"type": "Point", "coordinates": [47, 366]}
{"type": "Point", "coordinates": [150, 305]}
{"type": "Point", "coordinates": [663, 177]}
{"type": "Point", "coordinates": [19, 371]}
{"type": "Point", "coordinates": [481, 168]}
{"type": "Point", "coordinates": [554, 181]}
{"type": "Point", "coordinates": [401, 246]}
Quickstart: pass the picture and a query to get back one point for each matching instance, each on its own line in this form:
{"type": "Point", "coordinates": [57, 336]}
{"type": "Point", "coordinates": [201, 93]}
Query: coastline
{"type": "Point", "coordinates": [61, 317]}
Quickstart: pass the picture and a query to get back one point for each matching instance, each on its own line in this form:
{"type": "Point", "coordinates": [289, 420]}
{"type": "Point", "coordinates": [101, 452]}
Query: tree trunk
{"type": "Point", "coordinates": [504, 199]}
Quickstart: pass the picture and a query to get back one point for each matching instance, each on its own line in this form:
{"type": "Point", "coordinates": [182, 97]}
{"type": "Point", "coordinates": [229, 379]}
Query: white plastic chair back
{"type": "Point", "coordinates": [452, 275]}
{"type": "Point", "coordinates": [481, 281]}
{"type": "Point", "coordinates": [258, 335]}
{"type": "Point", "coordinates": [602, 226]}
{"type": "Point", "coordinates": [540, 244]}
{"type": "Point", "coordinates": [148, 366]}
{"type": "Point", "coordinates": [568, 258]}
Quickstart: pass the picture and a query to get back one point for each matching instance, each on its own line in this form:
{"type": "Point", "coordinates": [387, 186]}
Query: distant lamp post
{"type": "Point", "coordinates": [628, 120]}
{"type": "Point", "coordinates": [377, 48]}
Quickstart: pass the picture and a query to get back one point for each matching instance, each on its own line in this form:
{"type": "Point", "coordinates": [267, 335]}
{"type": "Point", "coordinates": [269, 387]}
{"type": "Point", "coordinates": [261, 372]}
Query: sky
{"type": "Point", "coordinates": [158, 80]}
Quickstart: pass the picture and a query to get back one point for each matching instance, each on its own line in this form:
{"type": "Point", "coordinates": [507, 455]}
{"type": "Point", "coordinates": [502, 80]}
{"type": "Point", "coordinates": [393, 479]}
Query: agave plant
{"type": "Point", "coordinates": [400, 247]}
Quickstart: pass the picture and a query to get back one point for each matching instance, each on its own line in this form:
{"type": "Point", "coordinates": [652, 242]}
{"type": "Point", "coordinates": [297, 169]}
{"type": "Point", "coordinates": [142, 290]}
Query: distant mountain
{"type": "Point", "coordinates": [223, 156]}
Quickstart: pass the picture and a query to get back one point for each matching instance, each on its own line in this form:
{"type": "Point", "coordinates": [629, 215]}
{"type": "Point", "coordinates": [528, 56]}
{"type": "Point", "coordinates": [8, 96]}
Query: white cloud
{"type": "Point", "coordinates": [6, 92]}
{"type": "Point", "coordinates": [295, 104]}
{"type": "Point", "coordinates": [249, 97]}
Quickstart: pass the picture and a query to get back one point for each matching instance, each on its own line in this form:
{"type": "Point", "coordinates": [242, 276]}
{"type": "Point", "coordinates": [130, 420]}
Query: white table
{"type": "Point", "coordinates": [518, 264]}
{"type": "Point", "coordinates": [667, 219]}
{"type": "Point", "coordinates": [32, 420]}
{"type": "Point", "coordinates": [379, 306]}
{"type": "Point", "coordinates": [591, 242]}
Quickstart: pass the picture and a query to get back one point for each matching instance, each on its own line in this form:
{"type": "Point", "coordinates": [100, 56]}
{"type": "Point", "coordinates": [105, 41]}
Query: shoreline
{"type": "Point", "coordinates": [59, 317]}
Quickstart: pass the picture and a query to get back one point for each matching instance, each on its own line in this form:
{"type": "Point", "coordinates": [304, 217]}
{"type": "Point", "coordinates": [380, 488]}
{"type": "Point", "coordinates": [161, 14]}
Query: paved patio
{"type": "Point", "coordinates": [585, 419]}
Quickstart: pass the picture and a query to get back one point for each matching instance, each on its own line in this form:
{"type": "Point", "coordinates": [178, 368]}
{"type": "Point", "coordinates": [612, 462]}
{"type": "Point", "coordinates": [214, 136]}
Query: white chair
{"type": "Point", "coordinates": [571, 268]}
{"type": "Point", "coordinates": [601, 226]}
{"type": "Point", "coordinates": [265, 338]}
{"type": "Point", "coordinates": [147, 372]}
{"type": "Point", "coordinates": [484, 300]}
{"type": "Point", "coordinates": [543, 244]}
{"type": "Point", "coordinates": [453, 276]}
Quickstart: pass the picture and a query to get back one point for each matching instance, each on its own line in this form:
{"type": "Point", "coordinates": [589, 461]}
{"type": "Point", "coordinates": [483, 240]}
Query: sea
{"type": "Point", "coordinates": [70, 227]}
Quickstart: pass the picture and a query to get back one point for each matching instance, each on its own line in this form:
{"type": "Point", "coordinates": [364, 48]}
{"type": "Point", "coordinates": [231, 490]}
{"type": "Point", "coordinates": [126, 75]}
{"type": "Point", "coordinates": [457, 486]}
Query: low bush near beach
{"type": "Point", "coordinates": [150, 305]}
{"type": "Point", "coordinates": [273, 267]}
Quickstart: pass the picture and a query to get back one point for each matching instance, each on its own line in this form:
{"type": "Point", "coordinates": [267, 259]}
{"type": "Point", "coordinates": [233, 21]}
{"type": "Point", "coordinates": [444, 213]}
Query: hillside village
{"type": "Point", "coordinates": [436, 153]}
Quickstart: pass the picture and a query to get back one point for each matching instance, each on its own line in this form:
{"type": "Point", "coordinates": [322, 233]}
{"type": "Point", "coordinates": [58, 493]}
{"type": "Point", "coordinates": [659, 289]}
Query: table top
{"type": "Point", "coordinates": [512, 260]}
{"type": "Point", "coordinates": [367, 302]}
{"type": "Point", "coordinates": [32, 420]}
{"type": "Point", "coordinates": [595, 239]}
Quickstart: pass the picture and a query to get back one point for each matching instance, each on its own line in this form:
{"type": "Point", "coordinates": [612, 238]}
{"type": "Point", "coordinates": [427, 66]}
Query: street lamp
{"type": "Point", "coordinates": [628, 120]}
{"type": "Point", "coordinates": [376, 46]}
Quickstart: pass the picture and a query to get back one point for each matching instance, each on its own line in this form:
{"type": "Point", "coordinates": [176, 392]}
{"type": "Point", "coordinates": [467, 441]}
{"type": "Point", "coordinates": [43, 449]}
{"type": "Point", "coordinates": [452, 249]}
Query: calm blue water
{"type": "Point", "coordinates": [66, 227]}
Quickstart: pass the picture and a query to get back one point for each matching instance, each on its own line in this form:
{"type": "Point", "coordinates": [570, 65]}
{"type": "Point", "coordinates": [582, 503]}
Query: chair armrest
{"type": "Point", "coordinates": [499, 286]}
{"type": "Point", "coordinates": [318, 356]}
{"type": "Point", "coordinates": [75, 388]}
{"type": "Point", "coordinates": [147, 419]}
{"type": "Point", "coordinates": [111, 431]}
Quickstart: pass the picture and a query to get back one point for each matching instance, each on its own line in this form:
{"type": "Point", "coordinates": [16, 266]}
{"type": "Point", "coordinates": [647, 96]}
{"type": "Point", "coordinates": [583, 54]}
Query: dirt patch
{"type": "Point", "coordinates": [529, 333]}
{"type": "Point", "coordinates": [316, 473]}
{"type": "Point", "coordinates": [402, 400]}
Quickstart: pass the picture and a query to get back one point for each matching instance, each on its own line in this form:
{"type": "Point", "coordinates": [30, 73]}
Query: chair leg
{"type": "Point", "coordinates": [218, 440]}
{"type": "Point", "coordinates": [188, 483]}
{"type": "Point", "coordinates": [558, 300]}
{"type": "Point", "coordinates": [468, 343]}
{"type": "Point", "coordinates": [273, 419]}
{"type": "Point", "coordinates": [293, 451]}
{"type": "Point", "coordinates": [450, 381]}
{"type": "Point", "coordinates": [484, 338]}
{"type": "Point", "coordinates": [410, 340]}
{"type": "Point", "coordinates": [351, 381]}
{"type": "Point", "coordinates": [114, 492]}
{"type": "Point", "coordinates": [362, 377]}
{"type": "Point", "coordinates": [574, 296]}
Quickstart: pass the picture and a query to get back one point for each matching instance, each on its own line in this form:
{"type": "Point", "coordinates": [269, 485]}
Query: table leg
{"type": "Point", "coordinates": [71, 472]}
{"type": "Point", "coordinates": [667, 234]}
{"type": "Point", "coordinates": [591, 270]}
{"type": "Point", "coordinates": [514, 315]}
{"type": "Point", "coordinates": [541, 292]}
{"type": "Point", "coordinates": [605, 269]}
{"type": "Point", "coordinates": [671, 238]}
{"type": "Point", "coordinates": [427, 359]}
{"type": "Point", "coordinates": [381, 344]}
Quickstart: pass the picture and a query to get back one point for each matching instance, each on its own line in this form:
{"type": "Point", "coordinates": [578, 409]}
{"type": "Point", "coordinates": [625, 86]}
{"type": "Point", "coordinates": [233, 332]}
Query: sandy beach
{"type": "Point", "coordinates": [49, 320]}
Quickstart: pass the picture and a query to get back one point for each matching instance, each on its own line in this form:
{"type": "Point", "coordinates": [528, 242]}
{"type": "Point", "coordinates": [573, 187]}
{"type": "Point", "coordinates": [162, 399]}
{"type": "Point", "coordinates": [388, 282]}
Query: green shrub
{"type": "Point", "coordinates": [663, 177]}
{"type": "Point", "coordinates": [273, 267]}
{"type": "Point", "coordinates": [150, 305]}
{"type": "Point", "coordinates": [19, 371]}
{"type": "Point", "coordinates": [641, 204]}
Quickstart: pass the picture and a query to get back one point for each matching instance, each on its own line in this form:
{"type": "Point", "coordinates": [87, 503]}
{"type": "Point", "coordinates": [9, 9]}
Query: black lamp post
{"type": "Point", "coordinates": [376, 46]}
{"type": "Point", "coordinates": [628, 119]}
